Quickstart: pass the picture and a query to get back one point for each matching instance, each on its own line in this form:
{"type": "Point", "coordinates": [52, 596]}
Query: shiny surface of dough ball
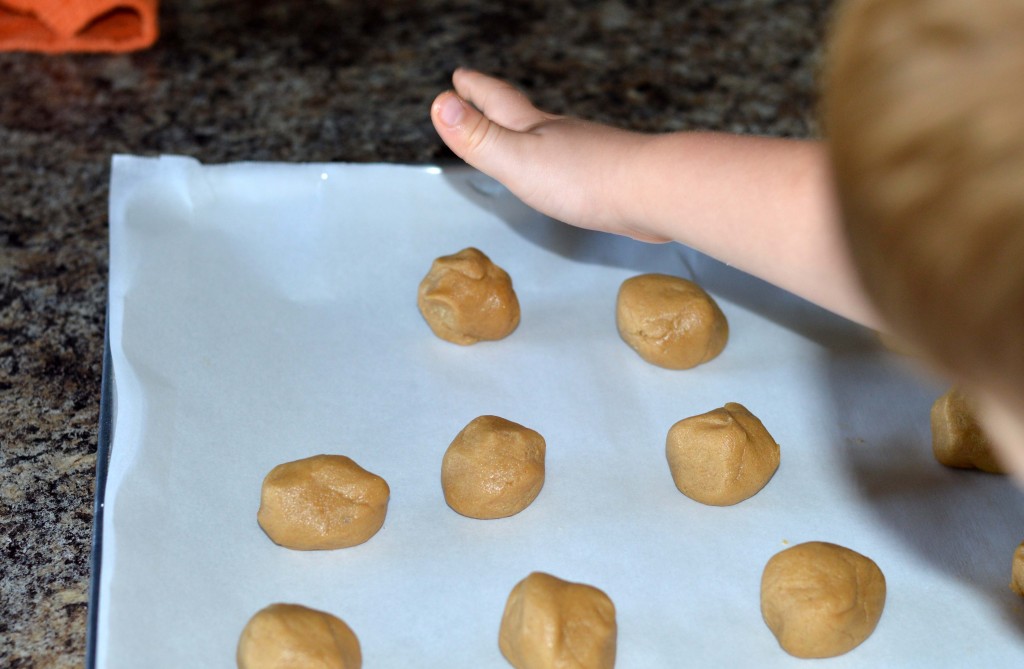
{"type": "Point", "coordinates": [721, 457]}
{"type": "Point", "coordinates": [957, 438]}
{"type": "Point", "coordinates": [820, 599]}
{"type": "Point", "coordinates": [669, 321]}
{"type": "Point", "coordinates": [1017, 571]}
{"type": "Point", "coordinates": [493, 468]}
{"type": "Point", "coordinates": [290, 636]}
{"type": "Point", "coordinates": [322, 503]}
{"type": "Point", "coordinates": [549, 623]}
{"type": "Point", "coordinates": [466, 298]}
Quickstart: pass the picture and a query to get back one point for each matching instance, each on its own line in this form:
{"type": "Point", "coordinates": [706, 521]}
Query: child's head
{"type": "Point", "coordinates": [924, 108]}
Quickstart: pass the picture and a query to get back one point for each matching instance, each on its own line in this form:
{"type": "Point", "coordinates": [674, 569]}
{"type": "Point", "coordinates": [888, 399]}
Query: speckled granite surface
{"type": "Point", "coordinates": [329, 80]}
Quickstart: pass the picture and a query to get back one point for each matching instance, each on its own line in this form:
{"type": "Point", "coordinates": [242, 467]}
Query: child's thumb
{"type": "Point", "coordinates": [471, 135]}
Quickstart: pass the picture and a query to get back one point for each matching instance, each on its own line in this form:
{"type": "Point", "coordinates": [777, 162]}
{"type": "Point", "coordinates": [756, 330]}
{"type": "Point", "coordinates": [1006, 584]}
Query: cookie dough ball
{"type": "Point", "coordinates": [321, 503]}
{"type": "Point", "coordinates": [670, 322]}
{"type": "Point", "coordinates": [554, 624]}
{"type": "Point", "coordinates": [721, 457]}
{"type": "Point", "coordinates": [1017, 571]}
{"type": "Point", "coordinates": [494, 468]}
{"type": "Point", "coordinates": [957, 438]}
{"type": "Point", "coordinates": [820, 599]}
{"type": "Point", "coordinates": [289, 636]}
{"type": "Point", "coordinates": [466, 298]}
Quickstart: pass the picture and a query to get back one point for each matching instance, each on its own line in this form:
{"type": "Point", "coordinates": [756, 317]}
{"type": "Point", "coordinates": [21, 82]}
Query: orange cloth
{"type": "Point", "coordinates": [54, 26]}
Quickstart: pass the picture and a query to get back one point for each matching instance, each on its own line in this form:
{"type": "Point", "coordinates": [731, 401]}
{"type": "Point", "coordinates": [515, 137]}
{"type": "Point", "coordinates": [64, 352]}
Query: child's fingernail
{"type": "Point", "coordinates": [451, 110]}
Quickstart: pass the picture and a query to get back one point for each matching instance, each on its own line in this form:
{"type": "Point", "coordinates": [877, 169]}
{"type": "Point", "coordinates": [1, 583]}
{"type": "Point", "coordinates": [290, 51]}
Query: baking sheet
{"type": "Point", "coordinates": [261, 313]}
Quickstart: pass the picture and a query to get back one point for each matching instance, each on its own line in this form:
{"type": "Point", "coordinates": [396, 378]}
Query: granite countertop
{"type": "Point", "coordinates": [335, 80]}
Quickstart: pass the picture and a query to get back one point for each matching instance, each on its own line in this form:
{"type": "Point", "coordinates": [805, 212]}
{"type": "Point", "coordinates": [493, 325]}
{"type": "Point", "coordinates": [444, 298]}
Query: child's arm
{"type": "Point", "coordinates": [764, 205]}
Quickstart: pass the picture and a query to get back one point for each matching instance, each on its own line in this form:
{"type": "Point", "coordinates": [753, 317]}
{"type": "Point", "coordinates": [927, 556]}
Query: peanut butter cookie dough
{"type": "Point", "coordinates": [1017, 571]}
{"type": "Point", "coordinates": [669, 321]}
{"type": "Point", "coordinates": [466, 298]}
{"type": "Point", "coordinates": [549, 623]}
{"type": "Point", "coordinates": [820, 599]}
{"type": "Point", "coordinates": [721, 457]}
{"type": "Point", "coordinates": [493, 468]}
{"type": "Point", "coordinates": [957, 438]}
{"type": "Point", "coordinates": [322, 503]}
{"type": "Point", "coordinates": [290, 636]}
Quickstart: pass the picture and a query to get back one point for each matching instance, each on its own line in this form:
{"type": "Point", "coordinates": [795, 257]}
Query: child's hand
{"type": "Point", "coordinates": [764, 205]}
{"type": "Point", "coordinates": [568, 169]}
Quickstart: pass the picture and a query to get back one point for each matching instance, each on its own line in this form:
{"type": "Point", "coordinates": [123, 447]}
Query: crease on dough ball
{"type": "Point", "coordinates": [466, 298]}
{"type": "Point", "coordinates": [721, 457]}
{"type": "Point", "coordinates": [292, 636]}
{"type": "Point", "coordinates": [670, 321]}
{"type": "Point", "coordinates": [323, 502]}
{"type": "Point", "coordinates": [957, 438]}
{"type": "Point", "coordinates": [820, 599]}
{"type": "Point", "coordinates": [494, 468]}
{"type": "Point", "coordinates": [550, 623]}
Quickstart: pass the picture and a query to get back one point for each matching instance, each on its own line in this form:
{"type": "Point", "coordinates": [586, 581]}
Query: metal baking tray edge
{"type": "Point", "coordinates": [102, 461]}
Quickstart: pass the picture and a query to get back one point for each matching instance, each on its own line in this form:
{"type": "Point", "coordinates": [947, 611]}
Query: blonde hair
{"type": "Point", "coordinates": [924, 111]}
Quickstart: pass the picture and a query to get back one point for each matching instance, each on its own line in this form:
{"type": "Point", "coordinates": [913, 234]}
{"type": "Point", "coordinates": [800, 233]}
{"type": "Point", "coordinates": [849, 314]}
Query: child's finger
{"type": "Point", "coordinates": [499, 100]}
{"type": "Point", "coordinates": [481, 142]}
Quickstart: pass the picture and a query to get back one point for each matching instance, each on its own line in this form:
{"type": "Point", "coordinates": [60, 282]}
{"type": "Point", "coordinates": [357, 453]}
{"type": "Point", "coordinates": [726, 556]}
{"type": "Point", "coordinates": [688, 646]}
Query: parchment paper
{"type": "Point", "coordinates": [261, 313]}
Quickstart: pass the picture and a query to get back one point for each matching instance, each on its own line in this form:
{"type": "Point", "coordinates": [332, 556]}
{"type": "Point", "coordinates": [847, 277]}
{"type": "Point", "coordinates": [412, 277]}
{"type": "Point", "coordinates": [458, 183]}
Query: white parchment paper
{"type": "Point", "coordinates": [261, 313]}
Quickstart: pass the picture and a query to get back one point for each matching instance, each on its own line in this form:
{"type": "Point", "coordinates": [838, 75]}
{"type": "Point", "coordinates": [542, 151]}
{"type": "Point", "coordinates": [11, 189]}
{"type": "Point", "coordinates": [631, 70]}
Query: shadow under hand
{"type": "Point", "coordinates": [597, 248]}
{"type": "Point", "coordinates": [567, 241]}
{"type": "Point", "coordinates": [965, 523]}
